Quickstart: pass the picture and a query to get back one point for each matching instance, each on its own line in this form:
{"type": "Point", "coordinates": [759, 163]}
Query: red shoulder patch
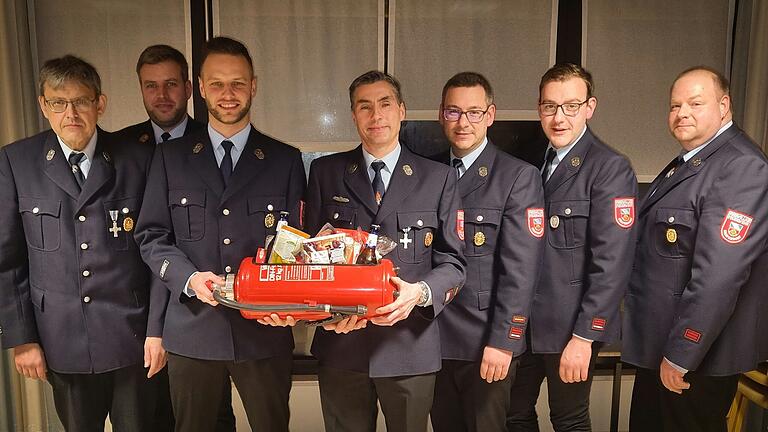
{"type": "Point", "coordinates": [735, 227]}
{"type": "Point", "coordinates": [624, 212]}
{"type": "Point", "coordinates": [516, 332]}
{"type": "Point", "coordinates": [598, 324]}
{"type": "Point", "coordinates": [692, 335]}
{"type": "Point", "coordinates": [535, 218]}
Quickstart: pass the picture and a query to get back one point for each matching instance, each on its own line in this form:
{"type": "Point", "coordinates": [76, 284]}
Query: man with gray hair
{"type": "Point", "coordinates": [76, 301]}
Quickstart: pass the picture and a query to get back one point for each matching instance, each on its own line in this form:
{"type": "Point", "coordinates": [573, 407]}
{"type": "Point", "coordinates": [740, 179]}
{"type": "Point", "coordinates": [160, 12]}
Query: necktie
{"type": "Point", "coordinates": [226, 163]}
{"type": "Point", "coordinates": [458, 165]}
{"type": "Point", "coordinates": [668, 171]}
{"type": "Point", "coordinates": [74, 163]}
{"type": "Point", "coordinates": [548, 158]}
{"type": "Point", "coordinates": [378, 182]}
{"type": "Point", "coordinates": [165, 136]}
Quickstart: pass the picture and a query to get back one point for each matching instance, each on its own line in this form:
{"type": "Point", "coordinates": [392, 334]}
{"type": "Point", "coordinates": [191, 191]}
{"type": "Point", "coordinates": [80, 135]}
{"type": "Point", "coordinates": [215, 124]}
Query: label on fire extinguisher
{"type": "Point", "coordinates": [296, 273]}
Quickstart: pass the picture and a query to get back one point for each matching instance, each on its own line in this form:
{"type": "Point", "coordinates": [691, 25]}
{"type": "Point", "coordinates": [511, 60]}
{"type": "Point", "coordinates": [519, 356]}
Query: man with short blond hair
{"type": "Point", "coordinates": [696, 306]}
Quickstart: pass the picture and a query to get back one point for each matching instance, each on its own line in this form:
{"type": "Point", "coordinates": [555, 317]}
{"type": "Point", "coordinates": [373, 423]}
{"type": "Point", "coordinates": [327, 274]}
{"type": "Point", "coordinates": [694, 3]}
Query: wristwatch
{"type": "Point", "coordinates": [424, 293]}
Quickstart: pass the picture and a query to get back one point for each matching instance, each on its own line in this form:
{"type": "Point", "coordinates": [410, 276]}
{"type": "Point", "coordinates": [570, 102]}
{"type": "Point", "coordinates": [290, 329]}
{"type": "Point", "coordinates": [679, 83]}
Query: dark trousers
{"type": "Point", "coordinates": [197, 388]}
{"type": "Point", "coordinates": [568, 403]}
{"type": "Point", "coordinates": [83, 401]}
{"type": "Point", "coordinates": [349, 401]}
{"type": "Point", "coordinates": [466, 402]}
{"type": "Point", "coordinates": [702, 407]}
{"type": "Point", "coordinates": [164, 420]}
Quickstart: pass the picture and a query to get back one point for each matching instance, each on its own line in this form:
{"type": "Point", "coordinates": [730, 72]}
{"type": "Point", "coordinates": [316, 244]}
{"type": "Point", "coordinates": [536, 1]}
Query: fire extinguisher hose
{"type": "Point", "coordinates": [288, 307]}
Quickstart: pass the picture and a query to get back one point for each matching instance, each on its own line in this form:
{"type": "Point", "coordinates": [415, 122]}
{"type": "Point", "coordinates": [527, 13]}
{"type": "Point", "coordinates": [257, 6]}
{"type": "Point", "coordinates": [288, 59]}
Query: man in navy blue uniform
{"type": "Point", "coordinates": [163, 74]}
{"type": "Point", "coordinates": [484, 327]}
{"type": "Point", "coordinates": [589, 192]}
{"type": "Point", "coordinates": [416, 203]}
{"type": "Point", "coordinates": [165, 89]}
{"type": "Point", "coordinates": [696, 307]}
{"type": "Point", "coordinates": [77, 304]}
{"type": "Point", "coordinates": [212, 199]}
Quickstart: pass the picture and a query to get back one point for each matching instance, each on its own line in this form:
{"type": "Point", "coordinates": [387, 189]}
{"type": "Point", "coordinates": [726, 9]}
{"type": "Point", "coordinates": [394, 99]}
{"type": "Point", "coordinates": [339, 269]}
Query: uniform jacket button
{"type": "Point", "coordinates": [86, 273]}
{"type": "Point", "coordinates": [225, 212]}
{"type": "Point", "coordinates": [228, 269]}
{"type": "Point", "coordinates": [83, 246]}
{"type": "Point", "coordinates": [183, 201]}
{"type": "Point", "coordinates": [227, 241]}
{"type": "Point", "coordinates": [568, 211]}
{"type": "Point", "coordinates": [86, 299]}
{"type": "Point", "coordinates": [81, 218]}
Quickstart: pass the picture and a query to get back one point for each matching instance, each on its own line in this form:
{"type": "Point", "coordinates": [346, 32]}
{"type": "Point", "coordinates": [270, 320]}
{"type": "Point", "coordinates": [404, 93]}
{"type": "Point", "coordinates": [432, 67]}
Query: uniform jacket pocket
{"type": "Point", "coordinates": [41, 223]}
{"type": "Point", "coordinates": [187, 214]}
{"type": "Point", "coordinates": [419, 228]}
{"type": "Point", "coordinates": [568, 221]}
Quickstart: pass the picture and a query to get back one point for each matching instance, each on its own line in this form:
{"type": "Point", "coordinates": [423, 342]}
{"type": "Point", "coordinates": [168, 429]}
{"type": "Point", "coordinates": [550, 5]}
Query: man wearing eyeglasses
{"type": "Point", "coordinates": [503, 204]}
{"type": "Point", "coordinates": [77, 304]}
{"type": "Point", "coordinates": [589, 192]}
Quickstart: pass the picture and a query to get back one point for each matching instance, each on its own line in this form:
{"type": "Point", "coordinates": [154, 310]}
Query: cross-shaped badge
{"type": "Point", "coordinates": [405, 240]}
{"type": "Point", "coordinates": [115, 229]}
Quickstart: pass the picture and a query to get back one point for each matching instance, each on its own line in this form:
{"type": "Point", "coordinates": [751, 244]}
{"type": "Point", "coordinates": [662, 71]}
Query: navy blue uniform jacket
{"type": "Point", "coordinates": [422, 198]}
{"type": "Point", "coordinates": [191, 222]}
{"type": "Point", "coordinates": [67, 282]}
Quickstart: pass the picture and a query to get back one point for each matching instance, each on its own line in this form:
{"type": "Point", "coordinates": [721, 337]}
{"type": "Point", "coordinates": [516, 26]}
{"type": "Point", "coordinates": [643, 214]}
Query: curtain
{"type": "Point", "coordinates": [18, 104]}
{"type": "Point", "coordinates": [755, 121]}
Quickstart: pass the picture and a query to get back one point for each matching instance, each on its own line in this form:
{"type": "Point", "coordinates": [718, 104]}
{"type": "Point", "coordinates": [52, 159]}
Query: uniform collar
{"type": "Point", "coordinates": [176, 132]}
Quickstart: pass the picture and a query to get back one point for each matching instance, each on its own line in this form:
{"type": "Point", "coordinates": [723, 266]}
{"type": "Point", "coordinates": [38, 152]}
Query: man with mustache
{"type": "Point", "coordinates": [214, 197]}
{"type": "Point", "coordinates": [165, 89]}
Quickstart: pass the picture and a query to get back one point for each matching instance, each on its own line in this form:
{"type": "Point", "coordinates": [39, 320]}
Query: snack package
{"type": "Point", "coordinates": [287, 245]}
{"type": "Point", "coordinates": [327, 249]}
{"type": "Point", "coordinates": [354, 241]}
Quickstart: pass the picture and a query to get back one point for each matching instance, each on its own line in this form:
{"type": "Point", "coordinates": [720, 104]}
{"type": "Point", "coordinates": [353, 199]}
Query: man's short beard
{"type": "Point", "coordinates": [240, 115]}
{"type": "Point", "coordinates": [178, 116]}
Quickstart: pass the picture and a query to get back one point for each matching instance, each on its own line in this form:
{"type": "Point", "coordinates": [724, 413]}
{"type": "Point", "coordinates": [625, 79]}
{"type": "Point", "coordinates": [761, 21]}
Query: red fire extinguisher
{"type": "Point", "coordinates": [315, 293]}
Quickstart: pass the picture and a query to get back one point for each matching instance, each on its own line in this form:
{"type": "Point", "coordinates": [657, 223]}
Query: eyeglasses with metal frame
{"type": "Point", "coordinates": [80, 104]}
{"type": "Point", "coordinates": [571, 109]}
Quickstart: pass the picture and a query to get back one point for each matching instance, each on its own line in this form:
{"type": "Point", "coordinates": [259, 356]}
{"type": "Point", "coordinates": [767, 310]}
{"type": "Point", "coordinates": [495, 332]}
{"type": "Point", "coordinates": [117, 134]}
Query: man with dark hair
{"type": "Point", "coordinates": [77, 304]}
{"type": "Point", "coordinates": [213, 198]}
{"type": "Point", "coordinates": [484, 326]}
{"type": "Point", "coordinates": [165, 89]}
{"type": "Point", "coordinates": [696, 307]}
{"type": "Point", "coordinates": [416, 203]}
{"type": "Point", "coordinates": [589, 193]}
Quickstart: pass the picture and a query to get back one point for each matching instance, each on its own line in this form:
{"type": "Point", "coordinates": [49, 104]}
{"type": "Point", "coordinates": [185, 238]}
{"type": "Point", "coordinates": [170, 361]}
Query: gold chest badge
{"type": "Point", "coordinates": [269, 220]}
{"type": "Point", "coordinates": [671, 235]}
{"type": "Point", "coordinates": [479, 239]}
{"type": "Point", "coordinates": [428, 239]}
